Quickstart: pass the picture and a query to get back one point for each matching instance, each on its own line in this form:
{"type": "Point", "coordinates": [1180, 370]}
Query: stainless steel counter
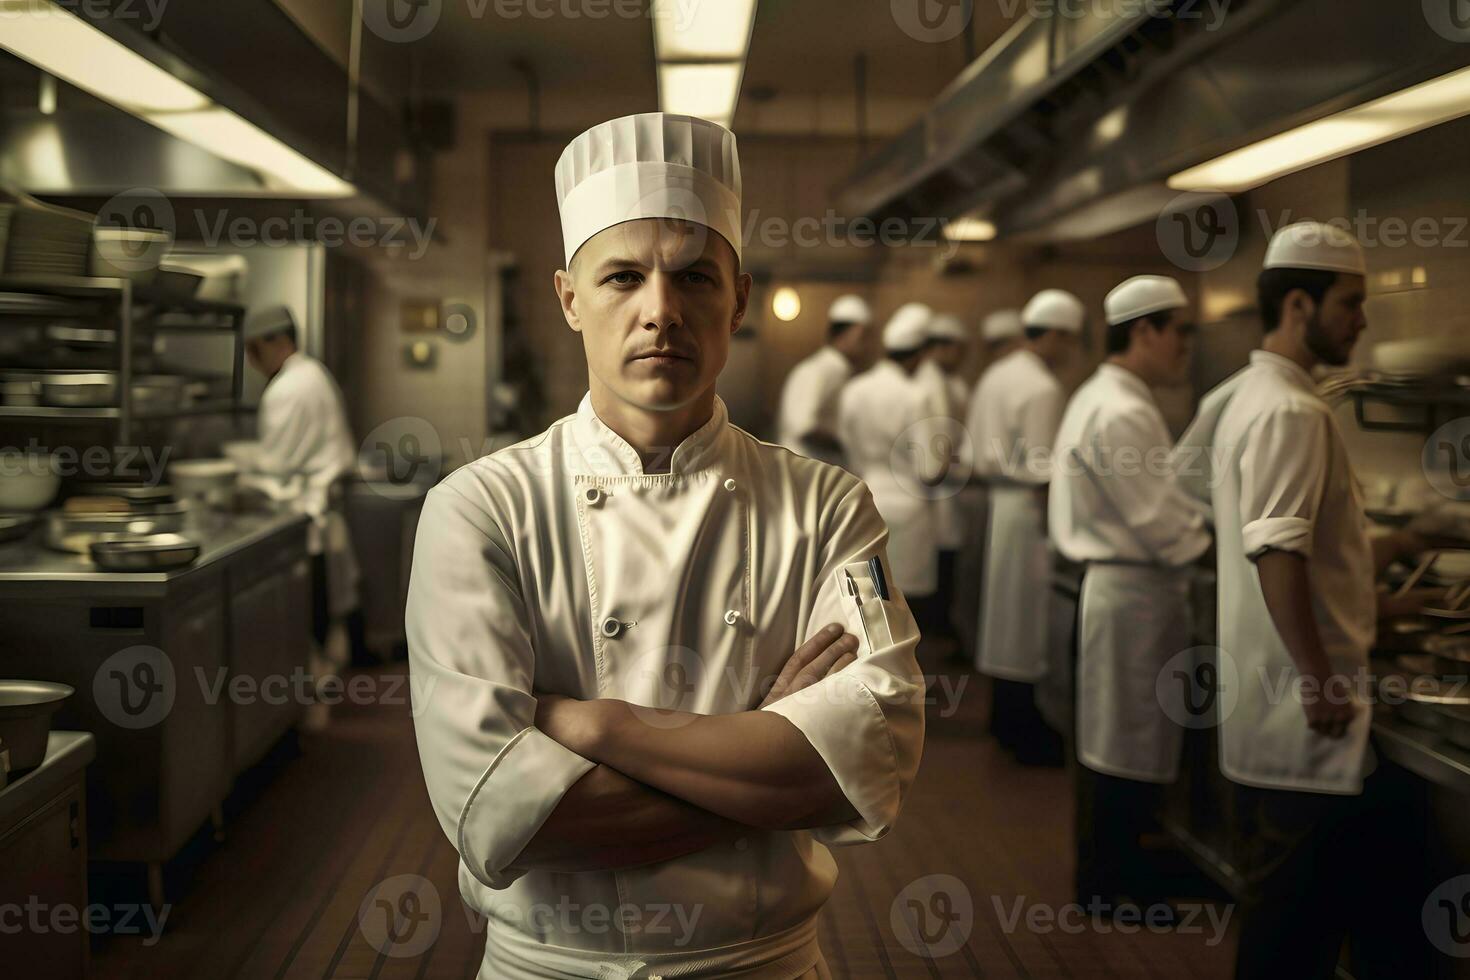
{"type": "Point", "coordinates": [29, 563]}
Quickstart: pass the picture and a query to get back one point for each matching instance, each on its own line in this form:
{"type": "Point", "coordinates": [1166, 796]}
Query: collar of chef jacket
{"type": "Point", "coordinates": [1293, 372]}
{"type": "Point", "coordinates": [1127, 379]}
{"type": "Point", "coordinates": [605, 453]}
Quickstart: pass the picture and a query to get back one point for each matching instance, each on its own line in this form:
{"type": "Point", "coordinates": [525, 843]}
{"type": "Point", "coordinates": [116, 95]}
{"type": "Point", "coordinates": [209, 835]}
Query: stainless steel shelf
{"type": "Point", "coordinates": [101, 413]}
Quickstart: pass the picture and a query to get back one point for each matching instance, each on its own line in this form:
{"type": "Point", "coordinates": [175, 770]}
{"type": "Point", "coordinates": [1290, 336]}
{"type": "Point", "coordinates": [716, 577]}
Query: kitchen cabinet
{"type": "Point", "coordinates": [168, 670]}
{"type": "Point", "coordinates": [43, 862]}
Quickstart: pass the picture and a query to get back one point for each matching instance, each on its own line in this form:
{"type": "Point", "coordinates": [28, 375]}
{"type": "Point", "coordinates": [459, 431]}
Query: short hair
{"type": "Point", "coordinates": [1036, 333]}
{"type": "Point", "coordinates": [288, 332]}
{"type": "Point", "coordinates": [908, 353]}
{"type": "Point", "coordinates": [839, 327]}
{"type": "Point", "coordinates": [1120, 335]}
{"type": "Point", "coordinates": [1273, 284]}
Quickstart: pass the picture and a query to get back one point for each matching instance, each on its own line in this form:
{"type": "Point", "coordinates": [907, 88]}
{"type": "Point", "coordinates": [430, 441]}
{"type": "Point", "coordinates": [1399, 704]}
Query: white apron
{"type": "Point", "coordinates": [1017, 587]}
{"type": "Point", "coordinates": [1134, 618]}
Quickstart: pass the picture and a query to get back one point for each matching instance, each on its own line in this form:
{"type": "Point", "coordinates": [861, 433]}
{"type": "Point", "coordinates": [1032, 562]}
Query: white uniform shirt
{"type": "Point", "coordinates": [945, 398]}
{"type": "Point", "coordinates": [1013, 418]}
{"type": "Point", "coordinates": [1267, 448]}
{"type": "Point", "coordinates": [557, 565]}
{"type": "Point", "coordinates": [809, 398]}
{"type": "Point", "coordinates": [1113, 496]}
{"type": "Point", "coordinates": [305, 442]}
{"type": "Point", "coordinates": [887, 434]}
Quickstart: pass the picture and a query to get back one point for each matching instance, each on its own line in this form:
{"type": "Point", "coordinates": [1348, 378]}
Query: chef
{"type": "Point", "coordinates": [1114, 506]}
{"type": "Point", "coordinates": [1297, 605]}
{"type": "Point", "coordinates": [1013, 421]}
{"type": "Point", "coordinates": [947, 397]}
{"type": "Point", "coordinates": [807, 419]}
{"type": "Point", "coordinates": [885, 426]}
{"type": "Point", "coordinates": [1000, 333]}
{"type": "Point", "coordinates": [306, 449]}
{"type": "Point", "coordinates": [644, 720]}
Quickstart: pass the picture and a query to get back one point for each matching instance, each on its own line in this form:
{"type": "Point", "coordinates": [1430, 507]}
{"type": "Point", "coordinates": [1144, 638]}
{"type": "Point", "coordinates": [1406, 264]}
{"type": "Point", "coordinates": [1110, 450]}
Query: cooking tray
{"type": "Point", "coordinates": [145, 553]}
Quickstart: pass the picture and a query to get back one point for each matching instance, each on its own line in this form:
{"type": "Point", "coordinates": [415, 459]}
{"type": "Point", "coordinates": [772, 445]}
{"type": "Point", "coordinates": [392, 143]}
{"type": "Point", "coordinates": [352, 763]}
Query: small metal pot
{"type": "Point", "coordinates": [26, 708]}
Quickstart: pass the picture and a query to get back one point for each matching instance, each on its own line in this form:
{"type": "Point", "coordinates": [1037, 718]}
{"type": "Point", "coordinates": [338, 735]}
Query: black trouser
{"type": "Point", "coordinates": [1323, 868]}
{"type": "Point", "coordinates": [1112, 814]}
{"type": "Point", "coordinates": [942, 623]}
{"type": "Point", "coordinates": [1017, 724]}
{"type": "Point", "coordinates": [321, 614]}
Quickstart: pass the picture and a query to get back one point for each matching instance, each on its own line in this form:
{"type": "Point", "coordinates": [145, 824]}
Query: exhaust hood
{"type": "Point", "coordinates": [1072, 126]}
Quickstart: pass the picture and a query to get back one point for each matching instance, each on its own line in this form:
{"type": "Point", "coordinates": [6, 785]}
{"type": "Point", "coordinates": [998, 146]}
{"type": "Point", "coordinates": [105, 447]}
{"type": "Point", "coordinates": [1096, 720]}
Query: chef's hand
{"type": "Point", "coordinates": [1411, 603]}
{"type": "Point", "coordinates": [827, 652]}
{"type": "Point", "coordinates": [1330, 709]}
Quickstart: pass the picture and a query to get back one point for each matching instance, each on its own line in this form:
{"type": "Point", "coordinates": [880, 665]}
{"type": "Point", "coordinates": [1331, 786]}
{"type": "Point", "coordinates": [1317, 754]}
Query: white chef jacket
{"type": "Point", "coordinates": [305, 441]}
{"type": "Point", "coordinates": [886, 429]}
{"type": "Point", "coordinates": [556, 565]}
{"type": "Point", "coordinates": [1115, 504]}
{"type": "Point", "coordinates": [946, 397]}
{"type": "Point", "coordinates": [809, 398]}
{"type": "Point", "coordinates": [1270, 451]}
{"type": "Point", "coordinates": [1113, 497]}
{"type": "Point", "coordinates": [1013, 421]}
{"type": "Point", "coordinates": [1013, 418]}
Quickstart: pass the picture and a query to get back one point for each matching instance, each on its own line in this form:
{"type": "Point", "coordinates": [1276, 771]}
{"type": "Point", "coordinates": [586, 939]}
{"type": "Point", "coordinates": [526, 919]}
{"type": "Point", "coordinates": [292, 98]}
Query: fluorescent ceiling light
{"type": "Point", "coordinates": [969, 230]}
{"type": "Point", "coordinates": [65, 45]}
{"type": "Point", "coordinates": [709, 91]}
{"type": "Point", "coordinates": [1424, 105]}
{"type": "Point", "coordinates": [72, 49]}
{"type": "Point", "coordinates": [703, 30]}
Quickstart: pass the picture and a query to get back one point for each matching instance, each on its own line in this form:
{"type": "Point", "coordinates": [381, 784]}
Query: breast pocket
{"type": "Point", "coordinates": [868, 602]}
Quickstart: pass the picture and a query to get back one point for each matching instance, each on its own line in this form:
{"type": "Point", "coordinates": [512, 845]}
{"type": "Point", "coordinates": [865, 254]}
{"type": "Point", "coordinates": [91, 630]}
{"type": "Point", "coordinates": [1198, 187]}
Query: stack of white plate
{"type": "Point", "coordinates": [47, 241]}
{"type": "Point", "coordinates": [1405, 360]}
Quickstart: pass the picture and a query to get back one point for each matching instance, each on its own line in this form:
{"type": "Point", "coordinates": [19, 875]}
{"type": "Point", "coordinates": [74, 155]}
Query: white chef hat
{"type": "Point", "coordinates": [946, 326]}
{"type": "Point", "coordinates": [908, 328]}
{"type": "Point", "coordinates": [1314, 245]}
{"type": "Point", "coordinates": [849, 308]}
{"type": "Point", "coordinates": [271, 320]}
{"type": "Point", "coordinates": [1141, 296]}
{"type": "Point", "coordinates": [1002, 325]}
{"type": "Point", "coordinates": [1055, 309]}
{"type": "Point", "coordinates": [650, 165]}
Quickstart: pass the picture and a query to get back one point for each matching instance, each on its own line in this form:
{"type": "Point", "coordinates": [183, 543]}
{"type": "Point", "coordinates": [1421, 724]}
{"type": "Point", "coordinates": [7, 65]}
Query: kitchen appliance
{"type": "Point", "coordinates": [78, 388]}
{"type": "Point", "coordinates": [128, 253]}
{"type": "Point", "coordinates": [144, 553]}
{"type": "Point", "coordinates": [26, 708]}
{"type": "Point", "coordinates": [177, 282]}
{"type": "Point", "coordinates": [28, 481]}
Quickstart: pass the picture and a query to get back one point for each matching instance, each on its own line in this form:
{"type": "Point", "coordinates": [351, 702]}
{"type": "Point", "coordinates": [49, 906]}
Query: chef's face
{"type": "Point", "coordinates": [656, 302]}
{"type": "Point", "coordinates": [947, 355]}
{"type": "Point", "coordinates": [267, 354]}
{"type": "Point", "coordinates": [1332, 326]}
{"type": "Point", "coordinates": [1168, 348]}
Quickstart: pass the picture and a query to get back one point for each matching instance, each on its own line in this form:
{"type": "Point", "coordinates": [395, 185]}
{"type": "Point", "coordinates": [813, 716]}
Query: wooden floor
{"type": "Point", "coordinates": [281, 896]}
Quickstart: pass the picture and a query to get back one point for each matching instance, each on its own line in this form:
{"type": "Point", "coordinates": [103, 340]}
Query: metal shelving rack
{"type": "Point", "coordinates": [123, 298]}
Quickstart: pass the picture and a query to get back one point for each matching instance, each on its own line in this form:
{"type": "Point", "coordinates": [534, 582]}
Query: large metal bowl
{"type": "Point", "coordinates": [76, 532]}
{"type": "Point", "coordinates": [26, 708]}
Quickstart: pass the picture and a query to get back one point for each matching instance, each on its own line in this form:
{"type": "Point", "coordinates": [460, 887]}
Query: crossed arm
{"type": "Point", "coordinates": [670, 783]}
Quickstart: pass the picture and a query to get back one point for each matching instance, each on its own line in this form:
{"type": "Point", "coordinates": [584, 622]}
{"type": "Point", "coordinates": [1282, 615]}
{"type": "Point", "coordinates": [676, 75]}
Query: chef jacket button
{"type": "Point", "coordinates": [611, 627]}
{"type": "Point", "coordinates": [594, 496]}
{"type": "Point", "coordinates": [730, 485]}
{"type": "Point", "coordinates": [732, 616]}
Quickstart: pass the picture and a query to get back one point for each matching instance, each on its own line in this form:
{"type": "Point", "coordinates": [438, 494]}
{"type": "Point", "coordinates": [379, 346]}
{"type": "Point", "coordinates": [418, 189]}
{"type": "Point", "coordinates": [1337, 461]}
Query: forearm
{"type": "Point", "coordinates": [1287, 590]}
{"type": "Point", "coordinates": [753, 767]}
{"type": "Point", "coordinates": [608, 821]}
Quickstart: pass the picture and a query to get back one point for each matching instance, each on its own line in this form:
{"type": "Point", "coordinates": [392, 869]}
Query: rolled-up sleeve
{"type": "Point", "coordinates": [867, 720]}
{"type": "Point", "coordinates": [492, 776]}
{"type": "Point", "coordinates": [1283, 472]}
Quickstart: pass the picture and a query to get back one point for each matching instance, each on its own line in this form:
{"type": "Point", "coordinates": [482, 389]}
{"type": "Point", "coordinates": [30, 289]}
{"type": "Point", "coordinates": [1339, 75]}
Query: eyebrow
{"type": "Point", "coordinates": [614, 264]}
